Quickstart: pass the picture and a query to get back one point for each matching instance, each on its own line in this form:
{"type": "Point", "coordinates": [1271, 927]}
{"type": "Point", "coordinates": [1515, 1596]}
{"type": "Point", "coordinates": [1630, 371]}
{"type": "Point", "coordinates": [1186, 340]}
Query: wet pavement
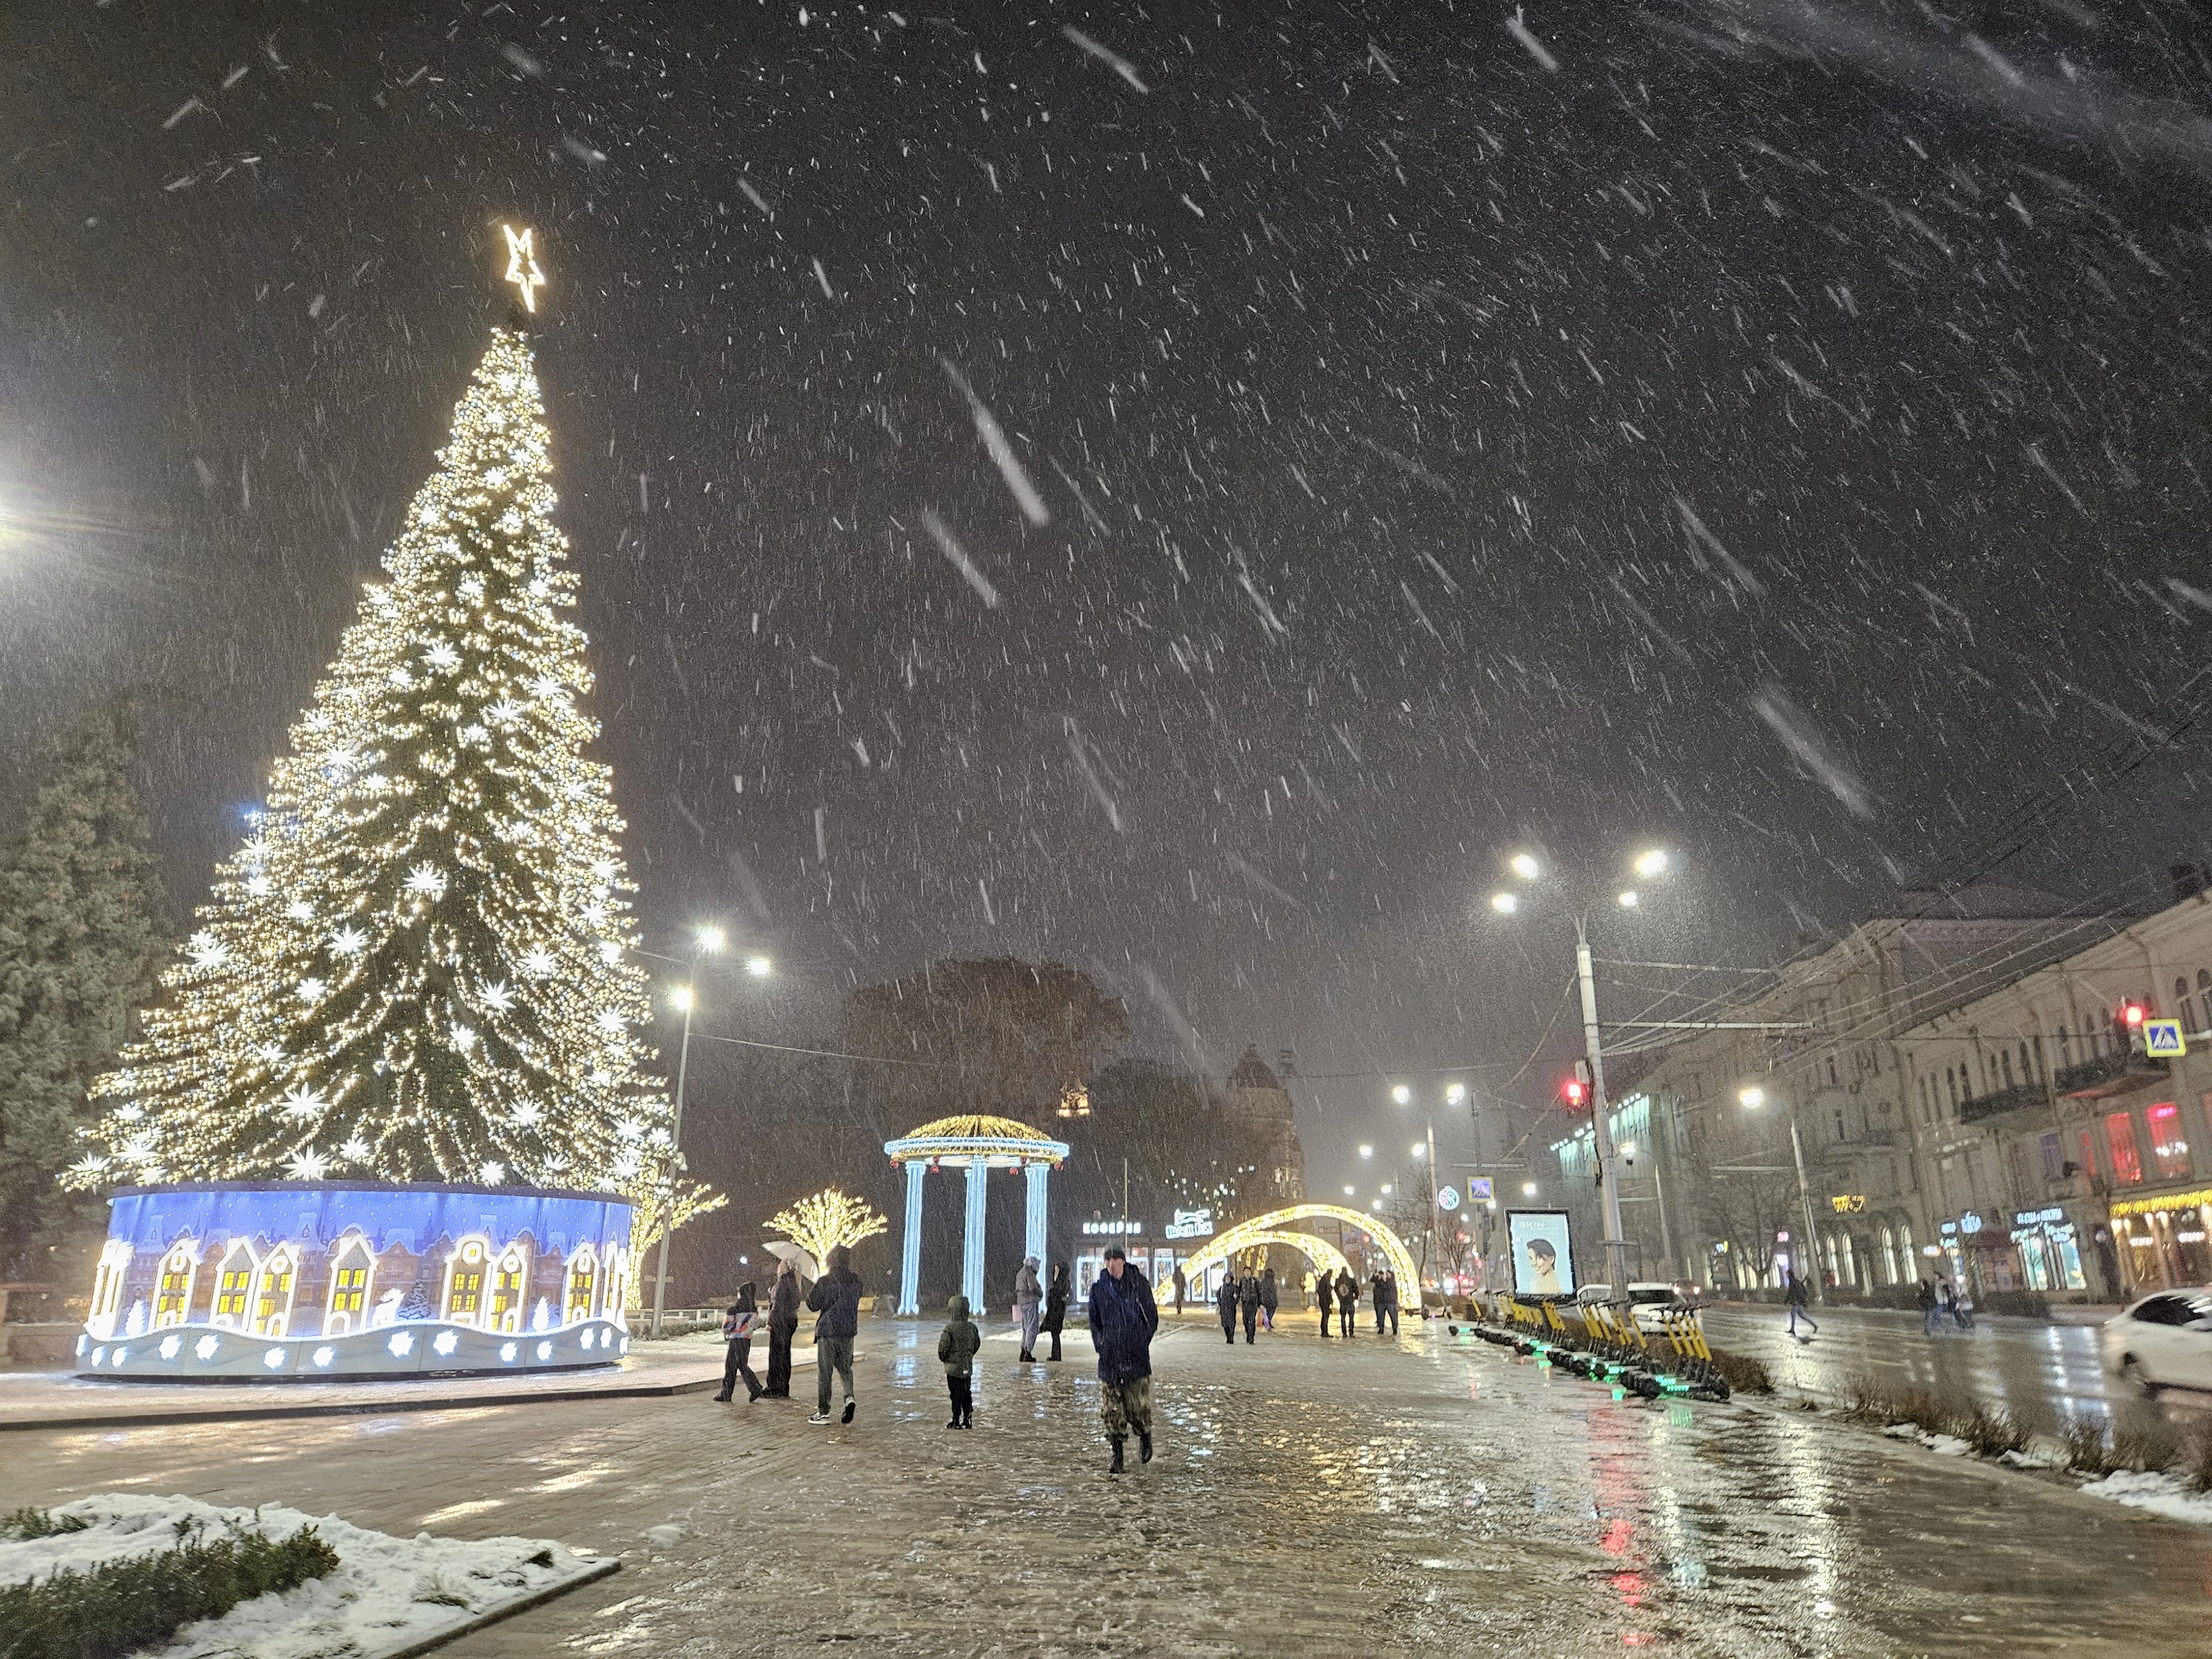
{"type": "Point", "coordinates": [2046, 1372]}
{"type": "Point", "coordinates": [1424, 1496]}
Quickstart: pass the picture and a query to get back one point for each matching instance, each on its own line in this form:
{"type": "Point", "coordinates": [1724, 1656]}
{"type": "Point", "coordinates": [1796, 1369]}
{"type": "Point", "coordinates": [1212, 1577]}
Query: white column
{"type": "Point", "coordinates": [910, 1252]}
{"type": "Point", "coordinates": [971, 1253]}
{"type": "Point", "coordinates": [1033, 1245]}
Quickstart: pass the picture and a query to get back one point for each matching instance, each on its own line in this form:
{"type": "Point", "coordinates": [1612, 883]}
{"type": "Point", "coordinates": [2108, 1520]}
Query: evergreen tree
{"type": "Point", "coordinates": [81, 938]}
{"type": "Point", "coordinates": [421, 965]}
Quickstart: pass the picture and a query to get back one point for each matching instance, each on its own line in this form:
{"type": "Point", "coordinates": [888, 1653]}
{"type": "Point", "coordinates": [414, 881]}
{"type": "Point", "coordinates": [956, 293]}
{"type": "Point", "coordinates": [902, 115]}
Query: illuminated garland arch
{"type": "Point", "coordinates": [1325, 1256]}
{"type": "Point", "coordinates": [1268, 1229]}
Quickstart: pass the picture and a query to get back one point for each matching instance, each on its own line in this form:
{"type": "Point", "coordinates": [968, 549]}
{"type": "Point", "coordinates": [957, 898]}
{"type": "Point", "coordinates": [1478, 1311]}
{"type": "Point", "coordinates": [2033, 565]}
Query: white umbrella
{"type": "Point", "coordinates": [802, 1262]}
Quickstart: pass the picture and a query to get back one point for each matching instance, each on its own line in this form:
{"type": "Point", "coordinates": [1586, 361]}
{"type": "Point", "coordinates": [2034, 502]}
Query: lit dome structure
{"type": "Point", "coordinates": [978, 1143]}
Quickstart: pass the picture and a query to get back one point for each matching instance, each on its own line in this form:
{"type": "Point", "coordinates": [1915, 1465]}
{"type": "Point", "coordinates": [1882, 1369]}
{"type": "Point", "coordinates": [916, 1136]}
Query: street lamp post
{"type": "Point", "coordinates": [708, 940]}
{"type": "Point", "coordinates": [1755, 1097]}
{"type": "Point", "coordinates": [1647, 865]}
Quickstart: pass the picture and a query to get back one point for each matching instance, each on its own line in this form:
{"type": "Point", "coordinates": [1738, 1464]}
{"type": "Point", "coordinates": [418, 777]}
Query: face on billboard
{"type": "Point", "coordinates": [1543, 1261]}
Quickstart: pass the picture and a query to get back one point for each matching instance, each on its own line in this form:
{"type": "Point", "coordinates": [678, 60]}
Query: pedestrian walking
{"type": "Point", "coordinates": [1325, 1293]}
{"type": "Point", "coordinates": [1181, 1285]}
{"type": "Point", "coordinates": [1347, 1302]}
{"type": "Point", "coordinates": [1248, 1299]}
{"type": "Point", "coordinates": [1268, 1297]}
{"type": "Point", "coordinates": [1389, 1301]}
{"type": "Point", "coordinates": [782, 1326]}
{"type": "Point", "coordinates": [1122, 1321]}
{"type": "Point", "coordinates": [1943, 1309]}
{"type": "Point", "coordinates": [738, 1331]}
{"type": "Point", "coordinates": [1378, 1293]}
{"type": "Point", "coordinates": [1226, 1302]}
{"type": "Point", "coordinates": [1962, 1308]}
{"type": "Point", "coordinates": [1925, 1297]}
{"type": "Point", "coordinates": [1055, 1307]}
{"type": "Point", "coordinates": [955, 1351]}
{"type": "Point", "coordinates": [836, 1297]}
{"type": "Point", "coordinates": [1800, 1297]}
{"type": "Point", "coordinates": [1029, 1301]}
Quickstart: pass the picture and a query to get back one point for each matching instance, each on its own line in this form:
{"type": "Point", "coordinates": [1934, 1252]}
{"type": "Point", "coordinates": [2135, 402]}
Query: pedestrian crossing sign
{"type": "Point", "coordinates": [2162, 1039]}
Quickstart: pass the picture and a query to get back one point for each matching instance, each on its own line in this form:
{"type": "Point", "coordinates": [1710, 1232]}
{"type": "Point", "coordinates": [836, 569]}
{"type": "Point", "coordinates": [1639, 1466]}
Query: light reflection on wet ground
{"type": "Point", "coordinates": [1427, 1497]}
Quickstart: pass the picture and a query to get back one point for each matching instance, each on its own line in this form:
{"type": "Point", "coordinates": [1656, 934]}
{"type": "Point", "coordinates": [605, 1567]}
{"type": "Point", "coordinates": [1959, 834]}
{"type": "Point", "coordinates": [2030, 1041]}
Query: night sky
{"type": "Point", "coordinates": [1772, 432]}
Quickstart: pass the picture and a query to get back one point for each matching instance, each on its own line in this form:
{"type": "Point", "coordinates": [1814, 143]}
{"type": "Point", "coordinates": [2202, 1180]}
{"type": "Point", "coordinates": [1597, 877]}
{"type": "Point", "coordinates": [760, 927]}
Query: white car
{"type": "Point", "coordinates": [2163, 1342]}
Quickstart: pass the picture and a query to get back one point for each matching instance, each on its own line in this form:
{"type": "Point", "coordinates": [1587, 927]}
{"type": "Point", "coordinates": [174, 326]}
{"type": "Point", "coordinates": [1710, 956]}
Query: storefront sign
{"type": "Point", "coordinates": [1115, 1228]}
{"type": "Point", "coordinates": [2037, 1217]}
{"type": "Point", "coordinates": [1191, 1223]}
{"type": "Point", "coordinates": [1848, 1203]}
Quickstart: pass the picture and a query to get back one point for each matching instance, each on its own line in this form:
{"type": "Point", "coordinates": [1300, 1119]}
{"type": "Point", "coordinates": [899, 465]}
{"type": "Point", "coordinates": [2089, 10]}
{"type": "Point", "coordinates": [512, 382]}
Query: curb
{"type": "Point", "coordinates": [591, 1575]}
{"type": "Point", "coordinates": [355, 1407]}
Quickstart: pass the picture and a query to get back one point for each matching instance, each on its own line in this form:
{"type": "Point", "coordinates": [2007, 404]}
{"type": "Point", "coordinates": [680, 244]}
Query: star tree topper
{"type": "Point", "coordinates": [522, 268]}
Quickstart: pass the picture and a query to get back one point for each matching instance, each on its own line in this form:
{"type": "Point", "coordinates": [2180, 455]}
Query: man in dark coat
{"type": "Point", "coordinates": [782, 1325]}
{"type": "Point", "coordinates": [1268, 1297]}
{"type": "Point", "coordinates": [1347, 1302]}
{"type": "Point", "coordinates": [1325, 1293]}
{"type": "Point", "coordinates": [1055, 1307]}
{"type": "Point", "coordinates": [1226, 1300]}
{"type": "Point", "coordinates": [1122, 1321]}
{"type": "Point", "coordinates": [836, 1297]}
{"type": "Point", "coordinates": [1248, 1298]}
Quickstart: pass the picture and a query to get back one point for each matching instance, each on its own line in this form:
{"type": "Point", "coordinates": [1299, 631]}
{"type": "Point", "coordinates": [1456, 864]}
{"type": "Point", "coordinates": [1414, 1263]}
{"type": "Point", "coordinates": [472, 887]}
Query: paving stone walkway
{"type": "Point", "coordinates": [1374, 1497]}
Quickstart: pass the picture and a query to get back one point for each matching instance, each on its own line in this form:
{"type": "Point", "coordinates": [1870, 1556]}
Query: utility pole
{"type": "Point", "coordinates": [1616, 1247]}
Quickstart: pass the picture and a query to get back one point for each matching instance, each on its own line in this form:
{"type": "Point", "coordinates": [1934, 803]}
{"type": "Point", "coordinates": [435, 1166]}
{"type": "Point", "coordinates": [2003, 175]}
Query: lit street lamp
{"type": "Point", "coordinates": [1753, 1098]}
{"type": "Point", "coordinates": [1647, 865]}
{"type": "Point", "coordinates": [707, 942]}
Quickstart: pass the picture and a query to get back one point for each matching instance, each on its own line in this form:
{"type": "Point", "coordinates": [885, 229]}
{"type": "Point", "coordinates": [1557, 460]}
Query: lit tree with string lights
{"type": "Point", "coordinates": [421, 964]}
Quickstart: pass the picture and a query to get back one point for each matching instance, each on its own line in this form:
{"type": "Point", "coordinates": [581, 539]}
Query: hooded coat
{"type": "Point", "coordinates": [958, 1342]}
{"type": "Point", "coordinates": [1122, 1321]}
{"type": "Point", "coordinates": [1055, 1301]}
{"type": "Point", "coordinates": [836, 1297]}
{"type": "Point", "coordinates": [1027, 1290]}
{"type": "Point", "coordinates": [1268, 1292]}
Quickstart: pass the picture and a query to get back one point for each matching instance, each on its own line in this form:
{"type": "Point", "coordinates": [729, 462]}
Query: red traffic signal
{"type": "Point", "coordinates": [2132, 1014]}
{"type": "Point", "coordinates": [1575, 1091]}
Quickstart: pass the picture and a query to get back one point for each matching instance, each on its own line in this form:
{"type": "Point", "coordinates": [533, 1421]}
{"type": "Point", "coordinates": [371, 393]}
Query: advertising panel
{"type": "Point", "coordinates": [1543, 1253]}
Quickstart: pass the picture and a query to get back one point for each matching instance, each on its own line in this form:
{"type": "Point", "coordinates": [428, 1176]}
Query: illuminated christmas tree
{"type": "Point", "coordinates": [420, 966]}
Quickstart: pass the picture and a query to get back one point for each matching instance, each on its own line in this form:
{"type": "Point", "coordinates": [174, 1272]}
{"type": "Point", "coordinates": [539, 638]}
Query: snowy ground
{"type": "Point", "coordinates": [1420, 1497]}
{"type": "Point", "coordinates": [388, 1594]}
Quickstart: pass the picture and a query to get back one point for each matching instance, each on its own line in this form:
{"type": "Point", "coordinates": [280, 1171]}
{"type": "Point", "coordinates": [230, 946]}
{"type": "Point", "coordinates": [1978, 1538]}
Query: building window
{"type": "Point", "coordinates": [173, 1294]}
{"type": "Point", "coordinates": [350, 1279]}
{"type": "Point", "coordinates": [2184, 1006]}
{"type": "Point", "coordinates": [1839, 1124]}
{"type": "Point", "coordinates": [510, 1283]}
{"type": "Point", "coordinates": [2005, 1060]}
{"type": "Point", "coordinates": [272, 1292]}
{"type": "Point", "coordinates": [2054, 1158]}
{"type": "Point", "coordinates": [583, 1273]}
{"type": "Point", "coordinates": [2168, 1146]}
{"type": "Point", "coordinates": [2204, 993]}
{"type": "Point", "coordinates": [2120, 1141]}
{"type": "Point", "coordinates": [2026, 1070]}
{"type": "Point", "coordinates": [464, 1278]}
{"type": "Point", "coordinates": [234, 1289]}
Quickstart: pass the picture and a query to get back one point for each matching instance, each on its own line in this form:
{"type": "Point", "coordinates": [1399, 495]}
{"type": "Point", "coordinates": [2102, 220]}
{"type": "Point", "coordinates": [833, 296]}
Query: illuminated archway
{"type": "Point", "coordinates": [1264, 1229]}
{"type": "Point", "coordinates": [1325, 1257]}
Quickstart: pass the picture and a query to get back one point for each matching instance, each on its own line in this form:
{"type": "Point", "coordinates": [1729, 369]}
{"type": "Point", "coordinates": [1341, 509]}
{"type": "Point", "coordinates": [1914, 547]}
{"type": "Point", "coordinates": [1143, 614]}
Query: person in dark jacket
{"type": "Point", "coordinates": [955, 1351]}
{"type": "Point", "coordinates": [1800, 1297]}
{"type": "Point", "coordinates": [1268, 1297]}
{"type": "Point", "coordinates": [1924, 1298]}
{"type": "Point", "coordinates": [1122, 1321]}
{"type": "Point", "coordinates": [1181, 1285]}
{"type": "Point", "coordinates": [1347, 1302]}
{"type": "Point", "coordinates": [1378, 1296]}
{"type": "Point", "coordinates": [1248, 1298]}
{"type": "Point", "coordinates": [782, 1324]}
{"type": "Point", "coordinates": [1055, 1307]}
{"type": "Point", "coordinates": [1224, 1302]}
{"type": "Point", "coordinates": [1325, 1293]}
{"type": "Point", "coordinates": [737, 1328]}
{"type": "Point", "coordinates": [836, 1297]}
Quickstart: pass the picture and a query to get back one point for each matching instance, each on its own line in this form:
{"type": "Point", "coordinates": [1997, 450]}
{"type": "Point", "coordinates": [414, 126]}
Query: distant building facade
{"type": "Point", "coordinates": [1260, 1106]}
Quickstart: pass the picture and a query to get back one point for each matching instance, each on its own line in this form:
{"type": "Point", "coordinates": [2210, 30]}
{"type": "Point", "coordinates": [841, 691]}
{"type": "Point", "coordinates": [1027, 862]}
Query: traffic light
{"type": "Point", "coordinates": [2131, 1014]}
{"type": "Point", "coordinates": [1574, 1092]}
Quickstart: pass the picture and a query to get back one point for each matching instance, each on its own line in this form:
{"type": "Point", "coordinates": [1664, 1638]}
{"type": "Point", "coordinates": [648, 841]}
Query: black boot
{"type": "Point", "coordinates": [1144, 1445]}
{"type": "Point", "coordinates": [1116, 1467]}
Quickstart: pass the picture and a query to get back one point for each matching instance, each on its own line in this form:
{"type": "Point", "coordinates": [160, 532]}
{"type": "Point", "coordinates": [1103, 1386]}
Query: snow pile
{"type": "Point", "coordinates": [1943, 1445]}
{"type": "Point", "coordinates": [387, 1594]}
{"type": "Point", "coordinates": [2161, 1494]}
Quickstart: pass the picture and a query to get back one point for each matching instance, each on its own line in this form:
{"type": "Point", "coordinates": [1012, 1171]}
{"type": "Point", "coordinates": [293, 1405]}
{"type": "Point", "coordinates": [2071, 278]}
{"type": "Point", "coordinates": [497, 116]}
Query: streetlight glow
{"type": "Point", "coordinates": [1650, 864]}
{"type": "Point", "coordinates": [1528, 1189]}
{"type": "Point", "coordinates": [1524, 866]}
{"type": "Point", "coordinates": [1752, 1096]}
{"type": "Point", "coordinates": [1365, 1151]}
{"type": "Point", "coordinates": [680, 999]}
{"type": "Point", "coordinates": [1504, 903]}
{"type": "Point", "coordinates": [1401, 1094]}
{"type": "Point", "coordinates": [1629, 900]}
{"type": "Point", "coordinates": [758, 967]}
{"type": "Point", "coordinates": [712, 939]}
{"type": "Point", "coordinates": [1455, 1093]}
{"type": "Point", "coordinates": [1419, 1150]}
{"type": "Point", "coordinates": [1348, 1192]}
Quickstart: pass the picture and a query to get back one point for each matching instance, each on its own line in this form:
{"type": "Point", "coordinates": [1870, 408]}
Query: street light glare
{"type": "Point", "coordinates": [1504, 903]}
{"type": "Point", "coordinates": [1528, 1189]}
{"type": "Point", "coordinates": [680, 999]}
{"type": "Point", "coordinates": [758, 967]}
{"type": "Point", "coordinates": [1752, 1096]}
{"type": "Point", "coordinates": [712, 939]}
{"type": "Point", "coordinates": [1524, 866]}
{"type": "Point", "coordinates": [1455, 1093]}
{"type": "Point", "coordinates": [1650, 864]}
{"type": "Point", "coordinates": [1367, 1151]}
{"type": "Point", "coordinates": [1386, 1190]}
{"type": "Point", "coordinates": [1420, 1151]}
{"type": "Point", "coordinates": [1348, 1192]}
{"type": "Point", "coordinates": [1401, 1094]}
{"type": "Point", "coordinates": [1629, 900]}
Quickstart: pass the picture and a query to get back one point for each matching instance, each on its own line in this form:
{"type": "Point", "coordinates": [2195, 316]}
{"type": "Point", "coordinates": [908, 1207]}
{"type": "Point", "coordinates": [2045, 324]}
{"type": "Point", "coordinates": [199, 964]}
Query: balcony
{"type": "Point", "coordinates": [2020, 1097]}
{"type": "Point", "coordinates": [2110, 1074]}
